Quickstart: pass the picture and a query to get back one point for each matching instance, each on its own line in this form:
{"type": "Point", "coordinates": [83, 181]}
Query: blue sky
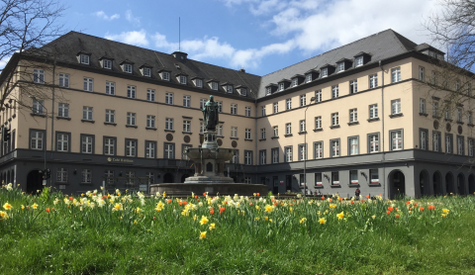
{"type": "Point", "coordinates": [260, 36]}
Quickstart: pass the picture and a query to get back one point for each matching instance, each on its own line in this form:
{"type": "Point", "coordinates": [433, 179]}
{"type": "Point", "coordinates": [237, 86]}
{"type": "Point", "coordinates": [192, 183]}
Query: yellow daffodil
{"type": "Point", "coordinates": [7, 206]}
{"type": "Point", "coordinates": [195, 217]}
{"type": "Point", "coordinates": [302, 220]}
{"type": "Point", "coordinates": [291, 209]}
{"type": "Point", "coordinates": [160, 206]}
{"type": "Point", "coordinates": [35, 205]}
{"type": "Point", "coordinates": [204, 220]}
{"type": "Point", "coordinates": [257, 207]}
{"type": "Point", "coordinates": [185, 212]}
{"type": "Point", "coordinates": [212, 226]}
{"type": "Point", "coordinates": [322, 220]}
{"type": "Point", "coordinates": [202, 235]}
{"type": "Point", "coordinates": [445, 211]}
{"type": "Point", "coordinates": [374, 217]}
{"type": "Point", "coordinates": [269, 208]}
{"type": "Point", "coordinates": [444, 215]}
{"type": "Point", "coordinates": [340, 215]}
{"type": "Point", "coordinates": [332, 205]}
{"type": "Point", "coordinates": [3, 215]}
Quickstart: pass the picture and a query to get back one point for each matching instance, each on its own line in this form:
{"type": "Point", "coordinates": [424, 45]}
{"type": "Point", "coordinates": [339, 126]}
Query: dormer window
{"type": "Point", "coordinates": [198, 82]}
{"type": "Point", "coordinates": [107, 64]}
{"type": "Point", "coordinates": [340, 67]}
{"type": "Point", "coordinates": [268, 90]}
{"type": "Point", "coordinates": [127, 68]}
{"type": "Point", "coordinates": [84, 58]}
{"type": "Point", "coordinates": [147, 71]}
{"type": "Point", "coordinates": [243, 91]}
{"type": "Point", "coordinates": [361, 58]}
{"type": "Point", "coordinates": [281, 86]}
{"type": "Point", "coordinates": [213, 85]}
{"type": "Point", "coordinates": [308, 78]}
{"type": "Point", "coordinates": [359, 61]}
{"type": "Point", "coordinates": [229, 89]}
{"type": "Point", "coordinates": [295, 82]}
{"type": "Point", "coordinates": [324, 72]}
{"type": "Point", "coordinates": [183, 79]}
{"type": "Point", "coordinates": [165, 75]}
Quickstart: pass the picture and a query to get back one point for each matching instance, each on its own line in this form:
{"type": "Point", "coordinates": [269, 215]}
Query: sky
{"type": "Point", "coordinates": [260, 36]}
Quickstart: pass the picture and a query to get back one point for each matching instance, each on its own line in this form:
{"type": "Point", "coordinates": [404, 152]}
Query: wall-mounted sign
{"type": "Point", "coordinates": [122, 160]}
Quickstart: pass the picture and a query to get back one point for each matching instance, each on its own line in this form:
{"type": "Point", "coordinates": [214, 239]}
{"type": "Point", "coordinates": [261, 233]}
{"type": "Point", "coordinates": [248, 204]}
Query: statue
{"type": "Point", "coordinates": [210, 114]}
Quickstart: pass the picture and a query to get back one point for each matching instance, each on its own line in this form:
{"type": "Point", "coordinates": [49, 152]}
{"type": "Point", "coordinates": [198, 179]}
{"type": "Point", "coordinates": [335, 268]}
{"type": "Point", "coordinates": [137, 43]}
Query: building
{"type": "Point", "coordinates": [363, 115]}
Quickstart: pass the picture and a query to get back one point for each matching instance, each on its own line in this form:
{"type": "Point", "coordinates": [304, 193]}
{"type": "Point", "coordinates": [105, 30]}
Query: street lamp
{"type": "Point", "coordinates": [306, 149]}
{"type": "Point", "coordinates": [46, 131]}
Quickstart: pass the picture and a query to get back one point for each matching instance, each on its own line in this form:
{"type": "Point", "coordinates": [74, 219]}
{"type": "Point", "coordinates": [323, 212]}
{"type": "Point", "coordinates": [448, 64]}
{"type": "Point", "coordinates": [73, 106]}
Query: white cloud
{"type": "Point", "coordinates": [138, 38]}
{"type": "Point", "coordinates": [104, 16]}
{"type": "Point", "coordinates": [132, 19]}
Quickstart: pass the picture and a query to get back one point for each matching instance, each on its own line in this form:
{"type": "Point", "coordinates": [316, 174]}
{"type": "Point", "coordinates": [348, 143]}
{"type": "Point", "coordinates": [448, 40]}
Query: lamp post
{"type": "Point", "coordinates": [306, 149]}
{"type": "Point", "coordinates": [46, 131]}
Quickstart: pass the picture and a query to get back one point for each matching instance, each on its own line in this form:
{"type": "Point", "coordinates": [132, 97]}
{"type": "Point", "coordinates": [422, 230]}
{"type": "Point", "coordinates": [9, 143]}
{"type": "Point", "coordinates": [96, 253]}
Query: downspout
{"type": "Point", "coordinates": [52, 107]}
{"type": "Point", "coordinates": [256, 136]}
{"type": "Point", "coordinates": [382, 130]}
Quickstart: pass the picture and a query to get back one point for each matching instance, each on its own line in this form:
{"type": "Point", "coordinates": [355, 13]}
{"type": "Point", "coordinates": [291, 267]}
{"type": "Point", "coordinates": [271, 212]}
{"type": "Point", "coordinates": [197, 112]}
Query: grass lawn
{"type": "Point", "coordinates": [98, 233]}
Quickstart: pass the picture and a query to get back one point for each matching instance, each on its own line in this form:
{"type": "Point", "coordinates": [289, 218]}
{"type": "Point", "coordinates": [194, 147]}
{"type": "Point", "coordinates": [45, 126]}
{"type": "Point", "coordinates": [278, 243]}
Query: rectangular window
{"type": "Point", "coordinates": [421, 73]}
{"type": "Point", "coordinates": [219, 130]}
{"type": "Point", "coordinates": [295, 82]}
{"type": "Point", "coordinates": [247, 133]}
{"type": "Point", "coordinates": [318, 179]}
{"type": "Point", "coordinates": [131, 92]}
{"type": "Point", "coordinates": [150, 121]}
{"type": "Point", "coordinates": [234, 132]}
{"type": "Point", "coordinates": [220, 106]}
{"type": "Point", "coordinates": [281, 86]}
{"type": "Point", "coordinates": [288, 104]}
{"type": "Point", "coordinates": [459, 115]}
{"type": "Point", "coordinates": [86, 176]}
{"type": "Point", "coordinates": [318, 149]}
{"type": "Point", "coordinates": [263, 110]}
{"type": "Point", "coordinates": [248, 157]}
{"type": "Point", "coordinates": [110, 88]}
{"type": "Point", "coordinates": [39, 76]}
{"type": "Point", "coordinates": [303, 126]}
{"type": "Point", "coordinates": [233, 109]}
{"type": "Point", "coordinates": [107, 64]}
{"type": "Point", "coordinates": [187, 101]}
{"type": "Point", "coordinates": [302, 152]}
{"type": "Point", "coordinates": [127, 68]}
{"type": "Point", "coordinates": [353, 144]}
{"type": "Point", "coordinates": [335, 91]}
{"type": "Point", "coordinates": [353, 176]}
{"type": "Point", "coordinates": [62, 142]}
{"type": "Point", "coordinates": [146, 72]}
{"type": "Point", "coordinates": [335, 178]}
{"type": "Point", "coordinates": [303, 100]}
{"type": "Point", "coordinates": [373, 111]}
{"type": "Point", "coordinates": [187, 126]}
{"type": "Point", "coordinates": [199, 83]}
{"type": "Point", "coordinates": [62, 175]}
{"type": "Point", "coordinates": [166, 76]}
{"type": "Point", "coordinates": [353, 115]}
{"type": "Point", "coordinates": [423, 139]}
{"type": "Point", "coordinates": [87, 144]}
{"type": "Point", "coordinates": [373, 143]}
{"type": "Point", "coordinates": [84, 59]}
{"type": "Point", "coordinates": [471, 147]}
{"type": "Point", "coordinates": [396, 140]}
{"type": "Point", "coordinates": [130, 148]}
{"type": "Point", "coordinates": [288, 154]}
{"type": "Point", "coordinates": [169, 152]}
{"type": "Point", "coordinates": [130, 178]}
{"type": "Point", "coordinates": [87, 113]}
{"type": "Point", "coordinates": [340, 67]}
{"type": "Point", "coordinates": [235, 158]}
{"type": "Point", "coordinates": [275, 131]}
{"type": "Point", "coordinates": [262, 157]}
{"type": "Point", "coordinates": [308, 78]}
{"type": "Point", "coordinates": [374, 176]}
{"type": "Point", "coordinates": [150, 149]}
{"type": "Point", "coordinates": [318, 96]}
{"type": "Point", "coordinates": [37, 139]}
{"type": "Point", "coordinates": [448, 143]}
{"type": "Point", "coordinates": [318, 122]}
{"type": "Point", "coordinates": [395, 75]}
{"type": "Point", "coordinates": [109, 146]}
{"type": "Point", "coordinates": [168, 123]}
{"type": "Point", "coordinates": [202, 103]}
{"type": "Point", "coordinates": [275, 155]}
{"type": "Point", "coordinates": [435, 108]}
{"type": "Point", "coordinates": [335, 147]}
{"type": "Point", "coordinates": [324, 72]}
{"type": "Point", "coordinates": [288, 129]}
{"type": "Point", "coordinates": [183, 79]}
{"type": "Point", "coordinates": [229, 89]}
{"type": "Point", "coordinates": [436, 141]}
{"type": "Point", "coordinates": [202, 127]}
{"type": "Point", "coordinates": [359, 61]}
{"type": "Point", "coordinates": [460, 145]}
{"type": "Point", "coordinates": [214, 86]}
{"type": "Point", "coordinates": [276, 107]}
{"type": "Point", "coordinates": [63, 80]}
{"type": "Point", "coordinates": [184, 150]}
{"type": "Point", "coordinates": [63, 110]}
{"type": "Point", "coordinates": [131, 119]}
{"type": "Point", "coordinates": [373, 81]}
{"type": "Point", "coordinates": [150, 95]}
{"type": "Point", "coordinates": [335, 119]}
{"type": "Point", "coordinates": [110, 116]}
{"type": "Point", "coordinates": [422, 106]}
{"type": "Point", "coordinates": [169, 98]}
{"type": "Point", "coordinates": [88, 84]}
{"type": "Point", "coordinates": [353, 86]}
{"type": "Point", "coordinates": [247, 110]}
{"type": "Point", "coordinates": [396, 107]}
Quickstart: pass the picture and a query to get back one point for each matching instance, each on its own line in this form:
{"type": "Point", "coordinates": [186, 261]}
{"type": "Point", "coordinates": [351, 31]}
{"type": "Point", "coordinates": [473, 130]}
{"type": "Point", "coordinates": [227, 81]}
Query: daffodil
{"type": "Point", "coordinates": [340, 215]}
{"type": "Point", "coordinates": [202, 235]}
{"type": "Point", "coordinates": [269, 208]}
{"type": "Point", "coordinates": [204, 220]}
{"type": "Point", "coordinates": [322, 220]}
{"type": "Point", "coordinates": [302, 220]}
{"type": "Point", "coordinates": [3, 215]}
{"type": "Point", "coordinates": [7, 206]}
{"type": "Point", "coordinates": [212, 226]}
{"type": "Point", "coordinates": [160, 206]}
{"type": "Point", "coordinates": [445, 211]}
{"type": "Point", "coordinates": [35, 205]}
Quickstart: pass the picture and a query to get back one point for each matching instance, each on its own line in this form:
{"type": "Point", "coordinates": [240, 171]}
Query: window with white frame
{"type": "Point", "coordinates": [165, 76]}
{"type": "Point", "coordinates": [448, 114]}
{"type": "Point", "coordinates": [247, 133]}
{"type": "Point", "coordinates": [281, 86]}
{"type": "Point", "coordinates": [63, 110]}
{"type": "Point", "coordinates": [219, 130]}
{"type": "Point", "coordinates": [276, 107]}
{"type": "Point", "coordinates": [169, 98]}
{"type": "Point", "coordinates": [263, 133]}
{"type": "Point", "coordinates": [318, 96]}
{"type": "Point", "coordinates": [130, 178]}
{"type": "Point", "coordinates": [199, 83]}
{"type": "Point", "coordinates": [374, 176]}
{"type": "Point", "coordinates": [396, 140]}
{"type": "Point", "coordinates": [373, 81]}
{"type": "Point", "coordinates": [110, 116]}
{"type": "Point", "coordinates": [202, 127]}
{"type": "Point", "coordinates": [235, 158]}
{"type": "Point", "coordinates": [62, 142]}
{"type": "Point", "coordinates": [110, 88]}
{"type": "Point", "coordinates": [275, 155]}
{"type": "Point", "coordinates": [324, 72]}
{"type": "Point", "coordinates": [353, 86]}
{"type": "Point", "coordinates": [422, 106]}
{"type": "Point", "coordinates": [88, 84]}
{"type": "Point", "coordinates": [220, 106]}
{"type": "Point", "coordinates": [62, 175]}
{"type": "Point", "coordinates": [248, 157]}
{"type": "Point", "coordinates": [302, 152]}
{"type": "Point", "coordinates": [435, 108]}
{"type": "Point", "coordinates": [303, 100]}
{"type": "Point", "coordinates": [130, 148]}
{"type": "Point", "coordinates": [150, 121]}
{"type": "Point", "coordinates": [183, 79]}
{"type": "Point", "coordinates": [187, 126]}
{"type": "Point", "coordinates": [308, 78]}
{"type": "Point", "coordinates": [318, 149]}
{"type": "Point", "coordinates": [288, 104]}
{"type": "Point", "coordinates": [353, 145]}
{"type": "Point", "coordinates": [127, 68]}
{"type": "Point", "coordinates": [214, 85]}
{"type": "Point", "coordinates": [185, 149]}
{"type": "Point", "coordinates": [318, 179]}
{"type": "Point", "coordinates": [63, 80]}
{"type": "Point", "coordinates": [37, 107]}
{"type": "Point", "coordinates": [335, 91]}
{"type": "Point", "coordinates": [335, 119]}
{"type": "Point", "coordinates": [471, 147]}
{"type": "Point", "coordinates": [202, 103]}
{"type": "Point", "coordinates": [423, 139]}
{"type": "Point", "coordinates": [353, 115]}
{"type": "Point", "coordinates": [395, 75]}
{"type": "Point", "coordinates": [109, 146]}
{"type": "Point", "coordinates": [335, 147]}
{"type": "Point", "coordinates": [353, 176]}
{"type": "Point", "coordinates": [395, 107]}
{"type": "Point", "coordinates": [268, 90]}
{"type": "Point", "coordinates": [87, 113]}
{"type": "Point", "coordinates": [448, 143]}
{"type": "Point", "coordinates": [288, 154]}
{"type": "Point", "coordinates": [146, 71]}
{"type": "Point", "coordinates": [150, 178]}
{"type": "Point", "coordinates": [340, 66]}
{"type": "Point", "coordinates": [460, 145]}
{"type": "Point", "coordinates": [229, 89]}
{"type": "Point", "coordinates": [131, 91]}
{"type": "Point", "coordinates": [288, 129]}
{"type": "Point", "coordinates": [335, 178]}
{"type": "Point", "coordinates": [107, 64]}
{"type": "Point", "coordinates": [187, 101]}
{"type": "Point", "coordinates": [169, 151]}
{"type": "Point", "coordinates": [84, 59]}
{"type": "Point", "coordinates": [86, 176]}
{"type": "Point", "coordinates": [318, 122]}
{"type": "Point", "coordinates": [243, 91]}
{"type": "Point", "coordinates": [233, 109]}
{"type": "Point", "coordinates": [421, 73]}
{"type": "Point", "coordinates": [263, 110]}
{"type": "Point", "coordinates": [262, 157]}
{"type": "Point", "coordinates": [150, 95]}
{"type": "Point", "coordinates": [234, 132]}
{"type": "Point", "coordinates": [459, 115]}
{"type": "Point", "coordinates": [150, 149]}
{"type": "Point", "coordinates": [247, 110]}
{"type": "Point", "coordinates": [275, 130]}
{"type": "Point", "coordinates": [169, 124]}
{"type": "Point", "coordinates": [87, 142]}
{"type": "Point", "coordinates": [131, 119]}
{"type": "Point", "coordinates": [359, 61]}
{"type": "Point", "coordinates": [36, 139]}
{"type": "Point", "coordinates": [436, 141]}
{"type": "Point", "coordinates": [295, 82]}
{"type": "Point", "coordinates": [434, 78]}
{"type": "Point", "coordinates": [303, 126]}
{"type": "Point", "coordinates": [373, 143]}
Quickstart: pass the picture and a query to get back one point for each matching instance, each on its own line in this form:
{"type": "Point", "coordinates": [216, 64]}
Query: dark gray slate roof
{"type": "Point", "coordinates": [380, 46]}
